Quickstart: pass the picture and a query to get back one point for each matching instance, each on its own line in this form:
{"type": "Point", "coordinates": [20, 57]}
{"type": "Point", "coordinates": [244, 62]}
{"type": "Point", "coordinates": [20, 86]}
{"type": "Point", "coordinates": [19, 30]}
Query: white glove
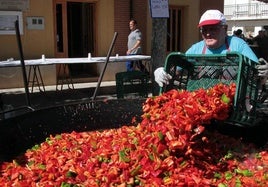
{"type": "Point", "coordinates": [262, 68]}
{"type": "Point", "coordinates": [161, 77]}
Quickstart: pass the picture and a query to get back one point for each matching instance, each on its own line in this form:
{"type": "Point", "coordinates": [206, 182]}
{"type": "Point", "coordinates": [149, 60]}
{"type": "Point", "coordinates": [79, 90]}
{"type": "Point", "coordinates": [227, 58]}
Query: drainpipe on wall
{"type": "Point", "coordinates": [130, 9]}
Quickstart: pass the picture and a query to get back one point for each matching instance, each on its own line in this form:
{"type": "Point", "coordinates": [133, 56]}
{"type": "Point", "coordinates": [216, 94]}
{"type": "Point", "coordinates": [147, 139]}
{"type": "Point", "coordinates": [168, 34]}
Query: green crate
{"type": "Point", "coordinates": [205, 71]}
{"type": "Point", "coordinates": [135, 82]}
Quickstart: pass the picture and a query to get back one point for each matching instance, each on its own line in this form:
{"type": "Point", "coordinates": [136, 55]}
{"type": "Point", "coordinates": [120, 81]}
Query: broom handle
{"type": "Point", "coordinates": [22, 63]}
{"type": "Point", "coordinates": [105, 65]}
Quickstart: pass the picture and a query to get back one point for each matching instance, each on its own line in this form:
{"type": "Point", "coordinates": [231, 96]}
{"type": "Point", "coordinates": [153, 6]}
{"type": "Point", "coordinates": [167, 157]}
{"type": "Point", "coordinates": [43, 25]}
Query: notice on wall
{"type": "Point", "coordinates": [14, 5]}
{"type": "Point", "coordinates": [7, 22]}
{"type": "Point", "coordinates": [159, 8]}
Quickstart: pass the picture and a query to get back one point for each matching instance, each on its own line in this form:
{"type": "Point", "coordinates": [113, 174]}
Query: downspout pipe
{"type": "Point", "coordinates": [130, 9]}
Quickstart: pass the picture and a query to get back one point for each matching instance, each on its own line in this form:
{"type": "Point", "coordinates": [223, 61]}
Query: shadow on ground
{"type": "Point", "coordinates": [38, 100]}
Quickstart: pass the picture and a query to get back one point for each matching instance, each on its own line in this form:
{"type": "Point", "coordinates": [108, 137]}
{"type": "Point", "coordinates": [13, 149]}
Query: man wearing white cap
{"type": "Point", "coordinates": [213, 28]}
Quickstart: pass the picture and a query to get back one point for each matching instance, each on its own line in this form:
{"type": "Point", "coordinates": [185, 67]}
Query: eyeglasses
{"type": "Point", "coordinates": [211, 29]}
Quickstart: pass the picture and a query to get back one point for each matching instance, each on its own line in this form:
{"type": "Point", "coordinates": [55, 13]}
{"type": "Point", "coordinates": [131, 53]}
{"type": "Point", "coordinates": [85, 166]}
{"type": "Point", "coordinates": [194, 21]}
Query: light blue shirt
{"type": "Point", "coordinates": [235, 44]}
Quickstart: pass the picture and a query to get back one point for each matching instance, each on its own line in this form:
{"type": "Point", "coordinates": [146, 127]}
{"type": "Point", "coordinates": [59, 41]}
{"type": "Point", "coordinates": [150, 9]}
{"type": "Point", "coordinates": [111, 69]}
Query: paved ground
{"type": "Point", "coordinates": [13, 98]}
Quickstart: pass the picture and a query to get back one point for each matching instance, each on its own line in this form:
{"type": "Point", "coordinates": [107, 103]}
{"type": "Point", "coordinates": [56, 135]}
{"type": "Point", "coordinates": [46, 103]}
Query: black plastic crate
{"type": "Point", "coordinates": [135, 82]}
{"type": "Point", "coordinates": [192, 72]}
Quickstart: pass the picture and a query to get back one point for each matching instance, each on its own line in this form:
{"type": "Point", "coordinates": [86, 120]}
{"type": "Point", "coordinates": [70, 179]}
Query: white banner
{"type": "Point", "coordinates": [159, 8]}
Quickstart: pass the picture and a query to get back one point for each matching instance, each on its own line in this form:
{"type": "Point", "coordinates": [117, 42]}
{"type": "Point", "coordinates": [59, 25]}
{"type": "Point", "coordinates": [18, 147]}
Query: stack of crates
{"type": "Point", "coordinates": [191, 72]}
{"type": "Point", "coordinates": [135, 82]}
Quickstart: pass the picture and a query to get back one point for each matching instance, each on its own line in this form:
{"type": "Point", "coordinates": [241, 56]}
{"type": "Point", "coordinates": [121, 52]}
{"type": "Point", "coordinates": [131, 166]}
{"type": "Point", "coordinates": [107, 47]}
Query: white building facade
{"type": "Point", "coordinates": [248, 15]}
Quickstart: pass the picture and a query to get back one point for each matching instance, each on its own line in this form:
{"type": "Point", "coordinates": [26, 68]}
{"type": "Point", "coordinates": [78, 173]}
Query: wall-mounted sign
{"type": "Point", "coordinates": [14, 5]}
{"type": "Point", "coordinates": [159, 8]}
{"type": "Point", "coordinates": [7, 22]}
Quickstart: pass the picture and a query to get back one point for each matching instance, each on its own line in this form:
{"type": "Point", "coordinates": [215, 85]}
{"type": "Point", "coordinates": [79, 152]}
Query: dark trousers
{"type": "Point", "coordinates": [139, 64]}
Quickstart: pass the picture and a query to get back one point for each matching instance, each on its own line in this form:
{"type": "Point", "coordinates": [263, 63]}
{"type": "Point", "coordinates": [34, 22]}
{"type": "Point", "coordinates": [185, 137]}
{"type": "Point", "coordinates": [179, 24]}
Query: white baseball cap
{"type": "Point", "coordinates": [212, 17]}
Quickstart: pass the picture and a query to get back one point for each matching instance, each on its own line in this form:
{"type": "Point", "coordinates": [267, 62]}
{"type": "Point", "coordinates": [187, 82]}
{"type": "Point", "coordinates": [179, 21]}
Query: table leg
{"type": "Point", "coordinates": [33, 79]}
{"type": "Point", "coordinates": [41, 79]}
{"type": "Point", "coordinates": [65, 79]}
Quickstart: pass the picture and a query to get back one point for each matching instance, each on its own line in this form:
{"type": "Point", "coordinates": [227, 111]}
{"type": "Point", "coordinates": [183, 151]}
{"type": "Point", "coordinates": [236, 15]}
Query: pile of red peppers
{"type": "Point", "coordinates": [169, 147]}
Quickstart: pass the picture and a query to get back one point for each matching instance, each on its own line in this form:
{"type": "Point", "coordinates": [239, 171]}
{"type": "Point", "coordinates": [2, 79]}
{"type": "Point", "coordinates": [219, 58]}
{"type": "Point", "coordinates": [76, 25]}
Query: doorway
{"type": "Point", "coordinates": [75, 34]}
{"type": "Point", "coordinates": [174, 25]}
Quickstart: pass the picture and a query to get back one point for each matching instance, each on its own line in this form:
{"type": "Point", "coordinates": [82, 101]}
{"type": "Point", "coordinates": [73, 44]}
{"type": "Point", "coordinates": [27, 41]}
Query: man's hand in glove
{"type": "Point", "coordinates": [263, 74]}
{"type": "Point", "coordinates": [161, 77]}
{"type": "Point", "coordinates": [262, 68]}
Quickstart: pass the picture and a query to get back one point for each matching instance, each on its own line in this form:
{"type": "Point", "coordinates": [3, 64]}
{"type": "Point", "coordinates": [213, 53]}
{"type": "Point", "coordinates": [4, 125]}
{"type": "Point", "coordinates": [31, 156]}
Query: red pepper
{"type": "Point", "coordinates": [169, 147]}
